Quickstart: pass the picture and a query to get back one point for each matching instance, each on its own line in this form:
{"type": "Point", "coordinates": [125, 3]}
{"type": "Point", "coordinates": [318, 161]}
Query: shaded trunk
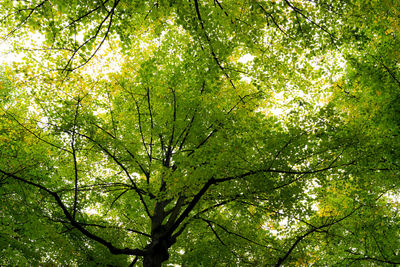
{"type": "Point", "coordinates": [158, 254]}
{"type": "Point", "coordinates": [157, 250]}
{"type": "Point", "coordinates": [154, 260]}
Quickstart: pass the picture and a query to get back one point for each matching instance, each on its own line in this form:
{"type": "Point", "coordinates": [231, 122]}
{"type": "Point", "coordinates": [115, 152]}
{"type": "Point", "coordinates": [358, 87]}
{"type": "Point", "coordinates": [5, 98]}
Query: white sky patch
{"type": "Point", "coordinates": [7, 56]}
{"type": "Point", "coordinates": [393, 197]}
{"type": "Point", "coordinates": [245, 78]}
{"type": "Point", "coordinates": [92, 210]}
{"type": "Point", "coordinates": [246, 58]}
{"type": "Point", "coordinates": [268, 226]}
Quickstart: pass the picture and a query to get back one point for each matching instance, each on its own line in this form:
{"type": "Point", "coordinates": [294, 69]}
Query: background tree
{"type": "Point", "coordinates": [189, 132]}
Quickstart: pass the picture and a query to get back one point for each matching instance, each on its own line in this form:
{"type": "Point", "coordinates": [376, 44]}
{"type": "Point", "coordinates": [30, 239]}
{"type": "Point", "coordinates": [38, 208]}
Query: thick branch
{"type": "Point", "coordinates": [191, 205]}
{"type": "Point", "coordinates": [73, 222]}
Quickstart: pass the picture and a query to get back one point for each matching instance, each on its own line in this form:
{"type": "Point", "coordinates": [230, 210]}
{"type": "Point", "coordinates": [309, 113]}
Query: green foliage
{"type": "Point", "coordinates": [240, 133]}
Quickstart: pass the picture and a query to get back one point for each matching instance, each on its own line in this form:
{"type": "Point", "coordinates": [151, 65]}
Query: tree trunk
{"type": "Point", "coordinates": [157, 257]}
{"type": "Point", "coordinates": [154, 260]}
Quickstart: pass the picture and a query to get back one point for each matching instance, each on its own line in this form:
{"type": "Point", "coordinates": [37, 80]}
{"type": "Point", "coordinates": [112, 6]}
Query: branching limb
{"type": "Point", "coordinates": [190, 206]}
{"type": "Point", "coordinates": [209, 223]}
{"type": "Point", "coordinates": [309, 232]}
{"type": "Point", "coordinates": [73, 148]}
{"type": "Point", "coordinates": [73, 222]}
{"type": "Point", "coordinates": [170, 147]}
{"type": "Point", "coordinates": [74, 21]}
{"type": "Point", "coordinates": [362, 257]}
{"type": "Point", "coordinates": [175, 211]}
{"type": "Point", "coordinates": [110, 16]}
{"type": "Point", "coordinates": [99, 226]}
{"type": "Point", "coordinates": [140, 126]}
{"type": "Point", "coordinates": [19, 26]}
{"type": "Point", "coordinates": [299, 11]}
{"type": "Point", "coordinates": [214, 128]}
{"type": "Point", "coordinates": [249, 173]}
{"type": "Point", "coordinates": [389, 71]}
{"type": "Point", "coordinates": [188, 127]}
{"type": "Point", "coordinates": [268, 15]}
{"type": "Point", "coordinates": [115, 200]}
{"type": "Point", "coordinates": [237, 235]}
{"type": "Point", "coordinates": [151, 127]}
{"type": "Point", "coordinates": [136, 188]}
{"type": "Point", "coordinates": [33, 133]}
{"type": "Point", "coordinates": [196, 4]}
{"type": "Point", "coordinates": [134, 261]}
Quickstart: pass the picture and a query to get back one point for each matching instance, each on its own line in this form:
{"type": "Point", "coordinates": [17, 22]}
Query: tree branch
{"type": "Point", "coordinates": [94, 37]}
{"type": "Point", "coordinates": [309, 232]}
{"type": "Point", "coordinates": [74, 223]}
{"type": "Point", "coordinates": [74, 159]}
{"type": "Point", "coordinates": [32, 10]}
{"type": "Point", "coordinates": [136, 188]}
{"type": "Point", "coordinates": [191, 205]}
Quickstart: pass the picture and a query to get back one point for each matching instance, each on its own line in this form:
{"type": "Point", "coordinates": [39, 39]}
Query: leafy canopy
{"type": "Point", "coordinates": [246, 133]}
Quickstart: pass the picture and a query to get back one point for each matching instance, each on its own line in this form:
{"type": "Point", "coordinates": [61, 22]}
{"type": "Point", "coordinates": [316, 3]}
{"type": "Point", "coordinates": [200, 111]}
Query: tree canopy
{"type": "Point", "coordinates": [200, 133]}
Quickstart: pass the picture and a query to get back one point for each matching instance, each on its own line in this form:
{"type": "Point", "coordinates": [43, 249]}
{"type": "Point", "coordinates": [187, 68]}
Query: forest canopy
{"type": "Point", "coordinates": [199, 133]}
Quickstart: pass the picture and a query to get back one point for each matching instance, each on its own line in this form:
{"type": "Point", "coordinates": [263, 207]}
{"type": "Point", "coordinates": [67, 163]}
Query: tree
{"type": "Point", "coordinates": [198, 133]}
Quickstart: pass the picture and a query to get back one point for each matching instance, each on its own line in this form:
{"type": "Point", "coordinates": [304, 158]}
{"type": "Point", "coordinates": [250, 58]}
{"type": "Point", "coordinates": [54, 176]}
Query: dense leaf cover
{"type": "Point", "coordinates": [200, 133]}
